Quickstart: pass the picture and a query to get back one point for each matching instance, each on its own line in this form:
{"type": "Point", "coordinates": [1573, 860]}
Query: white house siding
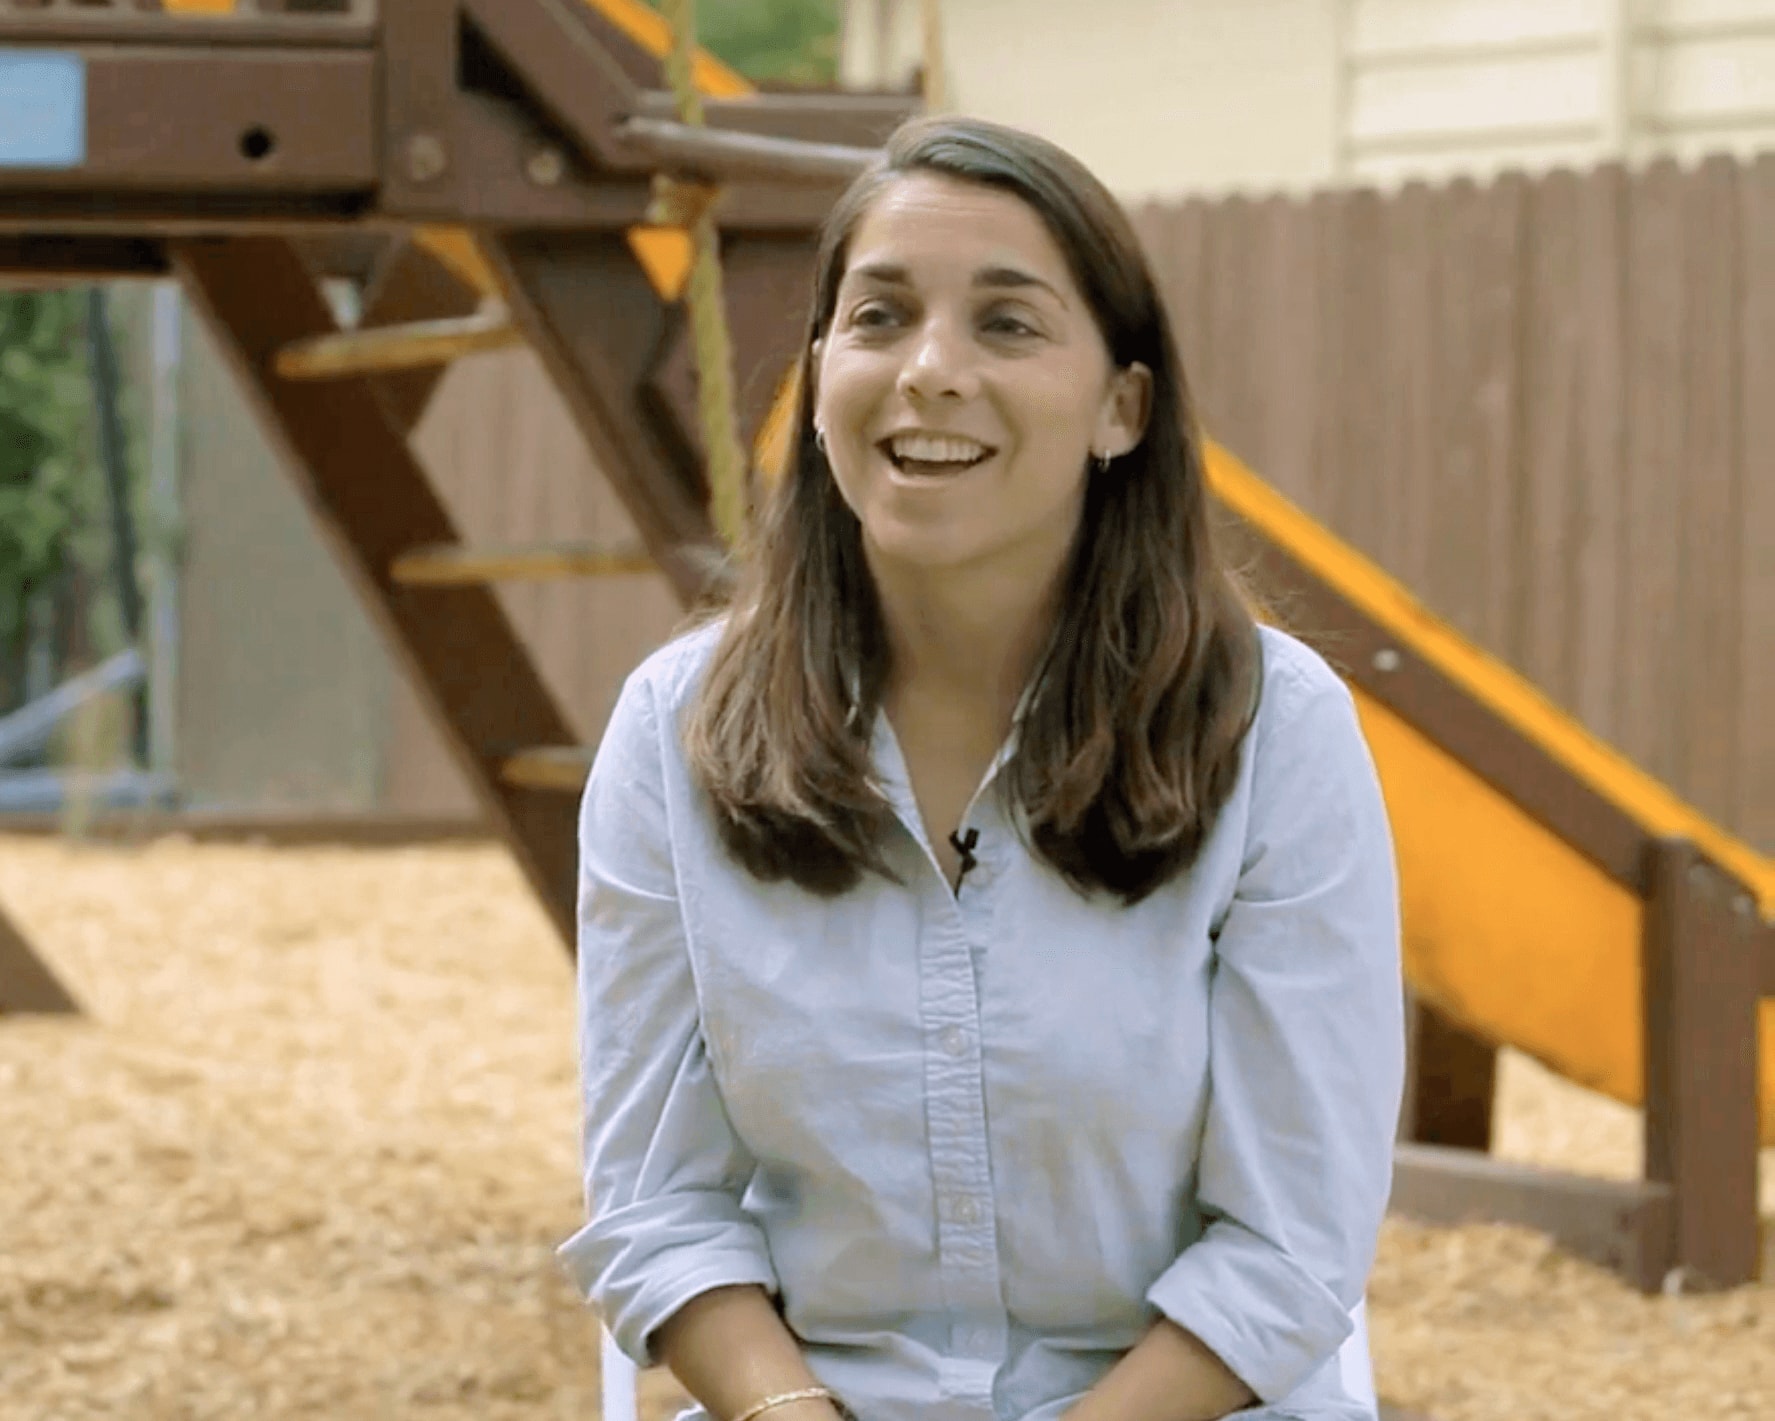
{"type": "Point", "coordinates": [880, 44]}
{"type": "Point", "coordinates": [1168, 96]}
{"type": "Point", "coordinates": [1156, 96]}
{"type": "Point", "coordinates": [1435, 88]}
{"type": "Point", "coordinates": [1708, 77]}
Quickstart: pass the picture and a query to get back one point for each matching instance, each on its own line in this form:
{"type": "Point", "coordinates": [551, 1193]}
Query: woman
{"type": "Point", "coordinates": [988, 935]}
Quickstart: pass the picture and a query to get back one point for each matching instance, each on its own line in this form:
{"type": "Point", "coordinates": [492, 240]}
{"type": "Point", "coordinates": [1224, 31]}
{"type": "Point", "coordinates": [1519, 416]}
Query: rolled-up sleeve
{"type": "Point", "coordinates": [664, 1171]}
{"type": "Point", "coordinates": [1306, 1059]}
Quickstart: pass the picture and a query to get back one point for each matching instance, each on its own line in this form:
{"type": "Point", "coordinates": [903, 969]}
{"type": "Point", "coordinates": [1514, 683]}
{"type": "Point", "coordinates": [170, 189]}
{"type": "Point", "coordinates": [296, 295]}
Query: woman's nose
{"type": "Point", "coordinates": [938, 365]}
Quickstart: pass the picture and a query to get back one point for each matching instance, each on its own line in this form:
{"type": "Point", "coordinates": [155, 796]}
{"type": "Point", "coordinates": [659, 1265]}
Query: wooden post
{"type": "Point", "coordinates": [1701, 978]}
{"type": "Point", "coordinates": [1450, 1083]}
{"type": "Point", "coordinates": [410, 284]}
{"type": "Point", "coordinates": [26, 983]}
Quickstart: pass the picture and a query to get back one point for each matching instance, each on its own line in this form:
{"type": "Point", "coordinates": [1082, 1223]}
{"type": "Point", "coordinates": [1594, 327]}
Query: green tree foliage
{"type": "Point", "coordinates": [56, 518]}
{"type": "Point", "coordinates": [786, 43]}
{"type": "Point", "coordinates": [45, 404]}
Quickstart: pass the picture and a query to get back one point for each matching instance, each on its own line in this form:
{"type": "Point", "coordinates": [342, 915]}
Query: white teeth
{"type": "Point", "coordinates": [937, 449]}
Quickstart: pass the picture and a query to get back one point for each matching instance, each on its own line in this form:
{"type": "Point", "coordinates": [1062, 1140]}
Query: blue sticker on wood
{"type": "Point", "coordinates": [42, 109]}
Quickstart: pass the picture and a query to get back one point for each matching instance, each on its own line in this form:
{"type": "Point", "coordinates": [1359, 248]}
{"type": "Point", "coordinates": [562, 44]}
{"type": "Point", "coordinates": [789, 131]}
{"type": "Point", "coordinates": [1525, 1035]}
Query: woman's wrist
{"type": "Point", "coordinates": [802, 1408]}
{"type": "Point", "coordinates": [1169, 1376]}
{"type": "Point", "coordinates": [819, 1409]}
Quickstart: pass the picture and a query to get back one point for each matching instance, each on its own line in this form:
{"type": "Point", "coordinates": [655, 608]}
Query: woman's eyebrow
{"type": "Point", "coordinates": [998, 278]}
{"type": "Point", "coordinates": [1002, 277]}
{"type": "Point", "coordinates": [884, 273]}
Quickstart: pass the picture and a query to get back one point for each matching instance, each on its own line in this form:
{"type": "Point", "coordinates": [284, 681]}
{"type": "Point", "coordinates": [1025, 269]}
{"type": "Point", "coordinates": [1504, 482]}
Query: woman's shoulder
{"type": "Point", "coordinates": [670, 672]}
{"type": "Point", "coordinates": [1295, 676]}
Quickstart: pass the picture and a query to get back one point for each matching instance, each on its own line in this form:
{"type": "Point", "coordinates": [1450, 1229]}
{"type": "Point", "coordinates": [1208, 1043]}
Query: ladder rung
{"type": "Point", "coordinates": [377, 349]}
{"type": "Point", "coordinates": [451, 566]}
{"type": "Point", "coordinates": [557, 767]}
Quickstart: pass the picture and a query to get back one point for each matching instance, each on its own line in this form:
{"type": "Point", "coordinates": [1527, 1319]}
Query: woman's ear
{"type": "Point", "coordinates": [1127, 407]}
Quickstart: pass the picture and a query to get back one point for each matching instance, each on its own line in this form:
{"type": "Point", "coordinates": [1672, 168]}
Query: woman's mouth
{"type": "Point", "coordinates": [934, 455]}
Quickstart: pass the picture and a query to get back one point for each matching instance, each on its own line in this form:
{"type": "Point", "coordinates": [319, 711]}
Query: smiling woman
{"type": "Point", "coordinates": [989, 962]}
{"type": "Point", "coordinates": [981, 285]}
{"type": "Point", "coordinates": [960, 345]}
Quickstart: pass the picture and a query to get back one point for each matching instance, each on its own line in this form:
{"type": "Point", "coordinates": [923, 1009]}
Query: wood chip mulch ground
{"type": "Point", "coordinates": [311, 1149]}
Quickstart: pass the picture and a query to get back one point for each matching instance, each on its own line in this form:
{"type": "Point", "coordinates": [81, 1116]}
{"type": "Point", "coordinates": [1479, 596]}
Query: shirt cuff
{"type": "Point", "coordinates": [1268, 1320]}
{"type": "Point", "coordinates": [639, 1265]}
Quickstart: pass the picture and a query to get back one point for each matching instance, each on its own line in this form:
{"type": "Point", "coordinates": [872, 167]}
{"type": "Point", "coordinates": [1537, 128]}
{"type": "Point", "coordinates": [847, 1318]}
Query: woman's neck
{"type": "Point", "coordinates": [971, 636]}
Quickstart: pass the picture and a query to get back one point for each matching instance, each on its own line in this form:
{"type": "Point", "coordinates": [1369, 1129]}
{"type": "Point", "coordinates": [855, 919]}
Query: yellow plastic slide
{"type": "Point", "coordinates": [1508, 930]}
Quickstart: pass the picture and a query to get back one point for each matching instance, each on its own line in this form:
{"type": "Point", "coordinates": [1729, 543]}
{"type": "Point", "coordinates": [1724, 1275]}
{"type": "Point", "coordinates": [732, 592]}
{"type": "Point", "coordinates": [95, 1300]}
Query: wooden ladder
{"type": "Point", "coordinates": [341, 404]}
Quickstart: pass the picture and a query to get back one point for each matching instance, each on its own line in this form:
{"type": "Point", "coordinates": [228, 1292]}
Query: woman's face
{"type": "Point", "coordinates": [963, 386]}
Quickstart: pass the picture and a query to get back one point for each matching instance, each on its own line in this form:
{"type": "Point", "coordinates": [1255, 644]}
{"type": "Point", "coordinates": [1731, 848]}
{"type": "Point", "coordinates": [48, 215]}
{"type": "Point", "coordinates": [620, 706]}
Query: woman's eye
{"type": "Point", "coordinates": [873, 315]}
{"type": "Point", "coordinates": [1006, 323]}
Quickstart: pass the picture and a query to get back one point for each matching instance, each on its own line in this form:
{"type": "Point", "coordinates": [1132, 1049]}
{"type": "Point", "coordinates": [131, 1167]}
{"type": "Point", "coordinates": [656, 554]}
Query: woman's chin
{"type": "Point", "coordinates": [928, 549]}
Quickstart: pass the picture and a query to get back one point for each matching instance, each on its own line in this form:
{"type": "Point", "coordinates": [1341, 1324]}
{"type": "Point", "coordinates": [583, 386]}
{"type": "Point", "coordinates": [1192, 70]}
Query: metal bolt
{"type": "Point", "coordinates": [546, 167]}
{"type": "Point", "coordinates": [1697, 875]}
{"type": "Point", "coordinates": [1741, 905]}
{"type": "Point", "coordinates": [1386, 659]}
{"type": "Point", "coordinates": [426, 157]}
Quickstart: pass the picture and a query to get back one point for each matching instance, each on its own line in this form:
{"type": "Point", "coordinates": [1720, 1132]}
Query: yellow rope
{"type": "Point", "coordinates": [708, 310]}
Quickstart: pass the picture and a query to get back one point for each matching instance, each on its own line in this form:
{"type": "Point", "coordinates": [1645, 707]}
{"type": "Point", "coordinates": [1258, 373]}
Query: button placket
{"type": "Point", "coordinates": [960, 1167]}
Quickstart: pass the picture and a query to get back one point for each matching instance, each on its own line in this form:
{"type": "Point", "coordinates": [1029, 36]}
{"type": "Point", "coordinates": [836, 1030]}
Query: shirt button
{"type": "Point", "coordinates": [967, 1210]}
{"type": "Point", "coordinates": [954, 1041]}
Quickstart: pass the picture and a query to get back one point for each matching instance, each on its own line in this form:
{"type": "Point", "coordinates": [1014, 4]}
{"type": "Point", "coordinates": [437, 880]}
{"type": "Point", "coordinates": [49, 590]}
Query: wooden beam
{"type": "Point", "coordinates": [411, 283]}
{"type": "Point", "coordinates": [720, 155]}
{"type": "Point", "coordinates": [230, 122]}
{"type": "Point", "coordinates": [456, 567]}
{"type": "Point", "coordinates": [41, 259]}
{"type": "Point", "coordinates": [419, 138]}
{"type": "Point", "coordinates": [26, 983]}
{"type": "Point", "coordinates": [591, 315]}
{"type": "Point", "coordinates": [1450, 1085]}
{"type": "Point", "coordinates": [1622, 1225]}
{"type": "Point", "coordinates": [557, 56]}
{"type": "Point", "coordinates": [852, 120]}
{"type": "Point", "coordinates": [140, 26]}
{"type": "Point", "coordinates": [1701, 963]}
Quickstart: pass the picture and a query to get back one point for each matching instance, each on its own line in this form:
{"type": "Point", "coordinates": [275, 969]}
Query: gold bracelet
{"type": "Point", "coordinates": [770, 1403]}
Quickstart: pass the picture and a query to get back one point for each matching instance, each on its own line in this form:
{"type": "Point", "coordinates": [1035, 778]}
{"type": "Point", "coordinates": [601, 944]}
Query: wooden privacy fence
{"type": "Point", "coordinates": [1548, 407]}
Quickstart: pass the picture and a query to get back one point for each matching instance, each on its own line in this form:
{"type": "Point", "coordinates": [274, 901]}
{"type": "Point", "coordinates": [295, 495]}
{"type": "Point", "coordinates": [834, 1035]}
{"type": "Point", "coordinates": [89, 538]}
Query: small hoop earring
{"type": "Point", "coordinates": [1102, 461]}
{"type": "Point", "coordinates": [819, 439]}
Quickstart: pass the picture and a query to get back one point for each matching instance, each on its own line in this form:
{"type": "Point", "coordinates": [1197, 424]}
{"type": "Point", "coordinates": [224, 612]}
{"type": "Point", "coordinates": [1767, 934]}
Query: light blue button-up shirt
{"type": "Point", "coordinates": [977, 1142]}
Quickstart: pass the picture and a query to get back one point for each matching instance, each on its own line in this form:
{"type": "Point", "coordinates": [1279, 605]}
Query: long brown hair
{"type": "Point", "coordinates": [1129, 742]}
